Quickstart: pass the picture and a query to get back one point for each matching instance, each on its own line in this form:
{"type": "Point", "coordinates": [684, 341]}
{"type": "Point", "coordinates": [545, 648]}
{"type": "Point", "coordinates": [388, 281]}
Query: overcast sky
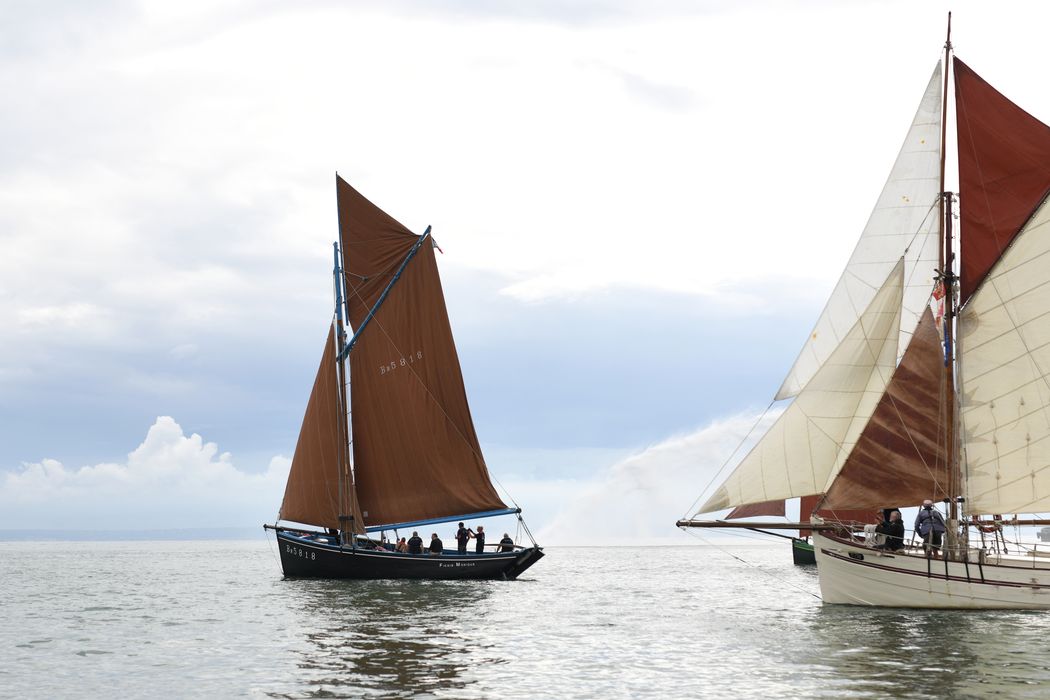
{"type": "Point", "coordinates": [642, 207]}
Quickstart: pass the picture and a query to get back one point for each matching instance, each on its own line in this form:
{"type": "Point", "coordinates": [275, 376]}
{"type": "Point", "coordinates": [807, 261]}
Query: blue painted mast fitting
{"type": "Point", "coordinates": [337, 272]}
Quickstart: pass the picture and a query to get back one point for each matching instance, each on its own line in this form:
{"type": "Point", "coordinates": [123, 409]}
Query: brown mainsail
{"type": "Point", "coordinates": [415, 451]}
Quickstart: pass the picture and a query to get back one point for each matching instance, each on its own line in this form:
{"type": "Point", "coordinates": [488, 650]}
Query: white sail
{"type": "Point", "coordinates": [805, 448]}
{"type": "Point", "coordinates": [1004, 357]}
{"type": "Point", "coordinates": [903, 223]}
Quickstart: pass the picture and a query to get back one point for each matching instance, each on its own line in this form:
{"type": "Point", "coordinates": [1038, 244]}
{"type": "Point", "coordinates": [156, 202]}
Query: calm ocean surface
{"type": "Point", "coordinates": [216, 620]}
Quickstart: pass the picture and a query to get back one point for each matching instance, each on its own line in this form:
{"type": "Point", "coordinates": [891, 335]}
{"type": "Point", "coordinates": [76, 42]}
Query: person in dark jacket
{"type": "Point", "coordinates": [893, 529]}
{"type": "Point", "coordinates": [435, 545]}
{"type": "Point", "coordinates": [415, 543]}
{"type": "Point", "coordinates": [463, 535]}
{"type": "Point", "coordinates": [480, 537]}
{"type": "Point", "coordinates": [506, 544]}
{"type": "Point", "coordinates": [929, 524]}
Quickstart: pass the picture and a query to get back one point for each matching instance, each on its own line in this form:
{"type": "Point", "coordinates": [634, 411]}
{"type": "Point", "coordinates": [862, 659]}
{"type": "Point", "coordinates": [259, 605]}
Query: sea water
{"type": "Point", "coordinates": [215, 619]}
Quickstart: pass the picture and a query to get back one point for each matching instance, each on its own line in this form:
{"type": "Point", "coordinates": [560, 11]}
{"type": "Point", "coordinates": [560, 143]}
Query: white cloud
{"type": "Point", "coordinates": [169, 481]}
{"type": "Point", "coordinates": [175, 481]}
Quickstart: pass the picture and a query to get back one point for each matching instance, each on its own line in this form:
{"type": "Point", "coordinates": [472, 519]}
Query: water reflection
{"type": "Point", "coordinates": [389, 638]}
{"type": "Point", "coordinates": [932, 653]}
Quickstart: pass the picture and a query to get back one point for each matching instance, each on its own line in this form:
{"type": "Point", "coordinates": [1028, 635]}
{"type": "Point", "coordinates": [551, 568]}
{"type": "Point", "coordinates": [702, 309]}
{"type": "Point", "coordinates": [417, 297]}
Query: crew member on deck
{"type": "Point", "coordinates": [463, 535]}
{"type": "Point", "coordinates": [480, 537]}
{"type": "Point", "coordinates": [893, 529]}
{"type": "Point", "coordinates": [506, 544]}
{"type": "Point", "coordinates": [435, 545]}
{"type": "Point", "coordinates": [929, 523]}
{"type": "Point", "coordinates": [415, 543]}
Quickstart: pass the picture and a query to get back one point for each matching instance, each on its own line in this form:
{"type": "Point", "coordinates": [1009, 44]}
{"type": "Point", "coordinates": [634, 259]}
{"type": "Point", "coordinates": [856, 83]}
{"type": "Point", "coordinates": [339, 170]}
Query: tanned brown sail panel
{"type": "Point", "coordinates": [312, 493]}
{"type": "Point", "coordinates": [808, 503]}
{"type": "Point", "coordinates": [753, 509]}
{"type": "Point", "coordinates": [1004, 172]}
{"type": "Point", "coordinates": [900, 458]}
{"type": "Point", "coordinates": [416, 453]}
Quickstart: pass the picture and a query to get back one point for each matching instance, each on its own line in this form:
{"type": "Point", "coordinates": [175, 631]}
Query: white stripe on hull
{"type": "Point", "coordinates": [853, 574]}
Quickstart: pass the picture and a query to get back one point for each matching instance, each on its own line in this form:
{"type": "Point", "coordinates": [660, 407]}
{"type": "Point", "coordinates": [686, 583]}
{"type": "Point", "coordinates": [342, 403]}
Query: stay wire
{"type": "Point", "coordinates": [690, 511]}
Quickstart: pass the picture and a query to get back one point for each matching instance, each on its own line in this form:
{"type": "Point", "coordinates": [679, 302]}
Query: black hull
{"type": "Point", "coordinates": [303, 558]}
{"type": "Point", "coordinates": [802, 552]}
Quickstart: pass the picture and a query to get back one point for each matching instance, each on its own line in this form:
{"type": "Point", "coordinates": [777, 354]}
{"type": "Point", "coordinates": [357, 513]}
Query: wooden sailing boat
{"type": "Point", "coordinates": [396, 451]}
{"type": "Point", "coordinates": [928, 377]}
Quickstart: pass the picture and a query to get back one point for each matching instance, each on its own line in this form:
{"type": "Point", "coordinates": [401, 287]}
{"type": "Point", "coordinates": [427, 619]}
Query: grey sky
{"type": "Point", "coordinates": [642, 205]}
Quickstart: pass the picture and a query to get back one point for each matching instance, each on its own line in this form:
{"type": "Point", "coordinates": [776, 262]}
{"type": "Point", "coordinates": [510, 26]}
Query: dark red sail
{"type": "Point", "coordinates": [1004, 172]}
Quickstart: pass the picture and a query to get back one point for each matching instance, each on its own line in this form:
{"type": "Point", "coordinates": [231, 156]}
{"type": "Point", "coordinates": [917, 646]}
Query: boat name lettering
{"type": "Point", "coordinates": [403, 361]}
{"type": "Point", "coordinates": [298, 551]}
{"type": "Point", "coordinates": [457, 564]}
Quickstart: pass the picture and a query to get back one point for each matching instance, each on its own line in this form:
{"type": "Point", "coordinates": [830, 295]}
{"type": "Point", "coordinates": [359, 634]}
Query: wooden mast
{"type": "Point", "coordinates": [948, 281]}
{"type": "Point", "coordinates": [347, 512]}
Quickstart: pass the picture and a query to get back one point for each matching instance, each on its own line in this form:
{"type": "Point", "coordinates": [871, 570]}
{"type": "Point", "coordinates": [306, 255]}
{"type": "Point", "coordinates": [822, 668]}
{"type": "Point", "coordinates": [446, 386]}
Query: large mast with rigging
{"type": "Point", "coordinates": [948, 281]}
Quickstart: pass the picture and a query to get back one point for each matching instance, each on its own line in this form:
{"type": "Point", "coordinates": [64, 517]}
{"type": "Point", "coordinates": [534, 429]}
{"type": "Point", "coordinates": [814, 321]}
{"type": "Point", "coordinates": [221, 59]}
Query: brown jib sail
{"type": "Point", "coordinates": [312, 492]}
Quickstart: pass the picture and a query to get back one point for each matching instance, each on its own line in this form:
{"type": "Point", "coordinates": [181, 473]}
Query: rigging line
{"type": "Point", "coordinates": [466, 441]}
{"type": "Point", "coordinates": [275, 555]}
{"type": "Point", "coordinates": [779, 579]}
{"type": "Point", "coordinates": [685, 516]}
{"type": "Point", "coordinates": [922, 223]}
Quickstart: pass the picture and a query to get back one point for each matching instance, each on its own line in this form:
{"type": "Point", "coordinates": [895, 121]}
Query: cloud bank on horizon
{"type": "Point", "coordinates": [178, 481]}
{"type": "Point", "coordinates": [170, 481]}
